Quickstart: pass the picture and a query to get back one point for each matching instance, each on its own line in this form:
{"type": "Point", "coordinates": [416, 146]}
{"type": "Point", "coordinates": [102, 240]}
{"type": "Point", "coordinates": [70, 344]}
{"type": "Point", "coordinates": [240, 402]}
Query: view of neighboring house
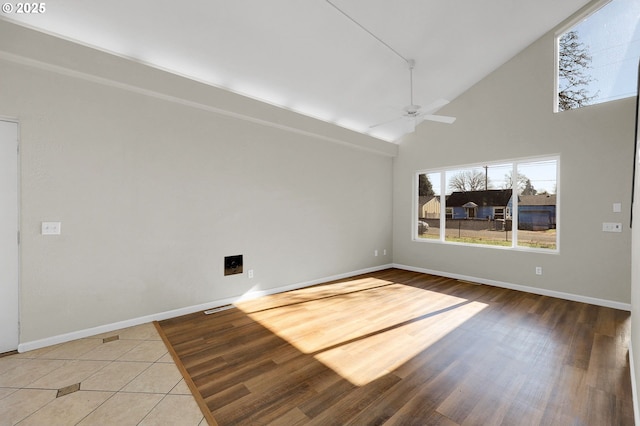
{"type": "Point", "coordinates": [429, 207]}
{"type": "Point", "coordinates": [491, 204]}
{"type": "Point", "coordinates": [537, 212]}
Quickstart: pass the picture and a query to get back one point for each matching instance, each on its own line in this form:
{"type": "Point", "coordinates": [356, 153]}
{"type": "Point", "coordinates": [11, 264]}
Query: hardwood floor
{"type": "Point", "coordinates": [398, 347]}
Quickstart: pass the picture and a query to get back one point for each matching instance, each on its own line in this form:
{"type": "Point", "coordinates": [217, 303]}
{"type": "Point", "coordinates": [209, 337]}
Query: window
{"type": "Point", "coordinates": [429, 208]}
{"type": "Point", "coordinates": [475, 205]}
{"type": "Point", "coordinates": [598, 56]}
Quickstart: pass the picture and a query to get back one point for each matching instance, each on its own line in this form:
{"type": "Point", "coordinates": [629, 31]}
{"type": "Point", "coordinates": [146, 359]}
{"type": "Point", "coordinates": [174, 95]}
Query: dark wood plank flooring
{"type": "Point", "coordinates": [403, 348]}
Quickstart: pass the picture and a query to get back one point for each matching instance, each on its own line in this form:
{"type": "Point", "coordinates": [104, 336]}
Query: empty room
{"type": "Point", "coordinates": [325, 213]}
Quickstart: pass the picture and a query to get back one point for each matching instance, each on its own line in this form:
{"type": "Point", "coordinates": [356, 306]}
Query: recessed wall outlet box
{"type": "Point", "coordinates": [617, 207]}
{"type": "Point", "coordinates": [611, 227]}
{"type": "Point", "coordinates": [233, 265]}
{"type": "Point", "coordinates": [51, 228]}
{"type": "Point", "coordinates": [538, 270]}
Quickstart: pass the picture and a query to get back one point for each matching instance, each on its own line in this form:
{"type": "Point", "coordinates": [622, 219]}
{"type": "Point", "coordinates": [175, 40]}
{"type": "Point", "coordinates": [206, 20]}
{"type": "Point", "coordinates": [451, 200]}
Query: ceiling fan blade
{"type": "Point", "coordinates": [385, 122]}
{"type": "Point", "coordinates": [439, 118]}
{"type": "Point", "coordinates": [435, 105]}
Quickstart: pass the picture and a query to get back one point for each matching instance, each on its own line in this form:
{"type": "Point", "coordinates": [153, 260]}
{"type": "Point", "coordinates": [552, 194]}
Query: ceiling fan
{"type": "Point", "coordinates": [416, 111]}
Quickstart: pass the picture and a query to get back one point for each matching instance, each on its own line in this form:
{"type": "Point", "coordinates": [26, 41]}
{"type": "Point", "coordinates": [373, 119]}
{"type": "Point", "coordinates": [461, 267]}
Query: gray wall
{"type": "Point", "coordinates": [153, 189]}
{"type": "Point", "coordinates": [508, 115]}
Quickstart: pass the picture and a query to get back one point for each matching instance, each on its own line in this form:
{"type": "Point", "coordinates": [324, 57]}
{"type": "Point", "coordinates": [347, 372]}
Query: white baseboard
{"type": "Point", "coordinates": [634, 386]}
{"type": "Point", "coordinates": [260, 293]}
{"type": "Point", "coordinates": [80, 334]}
{"type": "Point", "coordinates": [543, 292]}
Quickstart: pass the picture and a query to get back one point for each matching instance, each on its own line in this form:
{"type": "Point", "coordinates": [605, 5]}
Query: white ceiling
{"type": "Point", "coordinates": [306, 56]}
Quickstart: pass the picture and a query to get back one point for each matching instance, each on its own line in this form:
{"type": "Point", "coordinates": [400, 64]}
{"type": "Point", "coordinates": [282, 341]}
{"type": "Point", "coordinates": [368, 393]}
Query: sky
{"type": "Point", "coordinates": [542, 174]}
{"type": "Point", "coordinates": [612, 35]}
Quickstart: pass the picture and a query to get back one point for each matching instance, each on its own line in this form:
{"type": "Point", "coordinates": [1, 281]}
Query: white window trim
{"type": "Point", "coordinates": [513, 211]}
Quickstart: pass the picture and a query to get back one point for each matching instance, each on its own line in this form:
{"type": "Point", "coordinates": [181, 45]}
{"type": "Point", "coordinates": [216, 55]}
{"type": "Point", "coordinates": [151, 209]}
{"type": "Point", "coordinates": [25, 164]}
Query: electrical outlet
{"type": "Point", "coordinates": [384, 252]}
{"type": "Point", "coordinates": [611, 227]}
{"type": "Point", "coordinates": [51, 228]}
{"type": "Point", "coordinates": [250, 273]}
{"type": "Point", "coordinates": [538, 270]}
{"type": "Point", "coordinates": [375, 252]}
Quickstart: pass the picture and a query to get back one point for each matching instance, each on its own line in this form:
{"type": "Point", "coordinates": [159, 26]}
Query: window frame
{"type": "Point", "coordinates": [448, 212]}
{"type": "Point", "coordinates": [512, 212]}
{"type": "Point", "coordinates": [584, 14]}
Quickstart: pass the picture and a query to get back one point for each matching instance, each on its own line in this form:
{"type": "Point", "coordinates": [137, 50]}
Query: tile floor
{"type": "Point", "coordinates": [130, 380]}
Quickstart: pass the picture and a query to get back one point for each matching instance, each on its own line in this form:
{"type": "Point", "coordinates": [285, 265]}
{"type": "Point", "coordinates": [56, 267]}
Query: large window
{"type": "Point", "coordinates": [476, 204]}
{"type": "Point", "coordinates": [598, 56]}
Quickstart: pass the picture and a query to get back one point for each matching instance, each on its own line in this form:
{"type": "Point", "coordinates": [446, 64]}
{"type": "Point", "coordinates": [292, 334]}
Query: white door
{"type": "Point", "coordinates": [9, 295]}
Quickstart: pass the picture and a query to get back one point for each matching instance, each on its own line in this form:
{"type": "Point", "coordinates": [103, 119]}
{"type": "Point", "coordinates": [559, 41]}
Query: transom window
{"type": "Point", "coordinates": [597, 56]}
{"type": "Point", "coordinates": [476, 204]}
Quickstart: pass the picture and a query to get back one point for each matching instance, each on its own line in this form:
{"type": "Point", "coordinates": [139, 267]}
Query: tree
{"type": "Point", "coordinates": [424, 186]}
{"type": "Point", "coordinates": [574, 61]}
{"type": "Point", "coordinates": [528, 189]}
{"type": "Point", "coordinates": [523, 184]}
{"type": "Point", "coordinates": [469, 180]}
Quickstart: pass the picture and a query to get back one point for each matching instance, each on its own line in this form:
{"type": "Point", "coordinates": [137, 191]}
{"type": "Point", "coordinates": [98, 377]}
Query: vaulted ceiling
{"type": "Point", "coordinates": [341, 61]}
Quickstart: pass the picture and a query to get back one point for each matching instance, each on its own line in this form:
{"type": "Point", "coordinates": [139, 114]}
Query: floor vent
{"type": "Point", "coordinates": [110, 339]}
{"type": "Point", "coordinates": [218, 309]}
{"type": "Point", "coordinates": [67, 390]}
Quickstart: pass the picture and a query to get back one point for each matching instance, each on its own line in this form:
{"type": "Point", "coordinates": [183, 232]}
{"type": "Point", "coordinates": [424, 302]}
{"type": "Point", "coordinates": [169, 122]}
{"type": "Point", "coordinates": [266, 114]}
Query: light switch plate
{"type": "Point", "coordinates": [617, 207]}
{"type": "Point", "coordinates": [51, 228]}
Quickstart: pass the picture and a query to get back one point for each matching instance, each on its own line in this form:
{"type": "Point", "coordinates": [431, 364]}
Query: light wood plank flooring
{"type": "Point", "coordinates": [403, 348]}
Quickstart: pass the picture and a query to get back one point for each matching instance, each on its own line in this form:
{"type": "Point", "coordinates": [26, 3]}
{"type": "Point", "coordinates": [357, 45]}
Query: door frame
{"type": "Point", "coordinates": [18, 201]}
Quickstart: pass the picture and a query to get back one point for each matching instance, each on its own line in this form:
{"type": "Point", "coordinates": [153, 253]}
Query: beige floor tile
{"type": "Point", "coordinates": [122, 382]}
{"type": "Point", "coordinates": [123, 409]}
{"type": "Point", "coordinates": [114, 376]}
{"type": "Point", "coordinates": [5, 392]}
{"type": "Point", "coordinates": [140, 332]}
{"type": "Point", "coordinates": [23, 403]}
{"type": "Point", "coordinates": [36, 352]}
{"type": "Point", "coordinates": [9, 363]}
{"type": "Point", "coordinates": [166, 358]}
{"type": "Point", "coordinates": [67, 410]}
{"type": "Point", "coordinates": [71, 350]}
{"type": "Point", "coordinates": [159, 378]}
{"type": "Point", "coordinates": [180, 389]}
{"type": "Point", "coordinates": [174, 410]}
{"type": "Point", "coordinates": [71, 373]}
{"type": "Point", "coordinates": [28, 372]}
{"type": "Point", "coordinates": [110, 351]}
{"type": "Point", "coordinates": [107, 334]}
{"type": "Point", "coordinates": [149, 351]}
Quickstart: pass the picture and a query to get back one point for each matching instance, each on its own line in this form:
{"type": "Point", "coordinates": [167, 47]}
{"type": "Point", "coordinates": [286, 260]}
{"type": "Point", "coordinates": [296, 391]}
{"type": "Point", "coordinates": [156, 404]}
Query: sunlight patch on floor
{"type": "Point", "coordinates": [385, 351]}
{"type": "Point", "coordinates": [384, 336]}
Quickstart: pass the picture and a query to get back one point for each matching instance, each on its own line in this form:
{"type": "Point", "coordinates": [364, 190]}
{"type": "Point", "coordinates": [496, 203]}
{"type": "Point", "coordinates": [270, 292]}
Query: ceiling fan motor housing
{"type": "Point", "coordinates": [412, 110]}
